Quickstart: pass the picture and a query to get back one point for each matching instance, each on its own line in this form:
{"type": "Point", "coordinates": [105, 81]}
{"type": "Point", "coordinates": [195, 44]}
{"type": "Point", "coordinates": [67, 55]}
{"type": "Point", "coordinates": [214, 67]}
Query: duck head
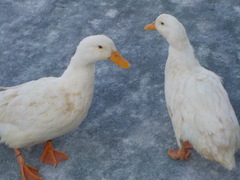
{"type": "Point", "coordinates": [170, 28]}
{"type": "Point", "coordinates": [99, 47]}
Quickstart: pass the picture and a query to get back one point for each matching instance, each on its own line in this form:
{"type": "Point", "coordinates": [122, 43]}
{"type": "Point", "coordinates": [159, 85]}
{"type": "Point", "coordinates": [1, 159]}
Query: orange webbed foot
{"type": "Point", "coordinates": [179, 154]}
{"type": "Point", "coordinates": [27, 172]}
{"type": "Point", "coordinates": [182, 153]}
{"type": "Point", "coordinates": [30, 173]}
{"type": "Point", "coordinates": [52, 156]}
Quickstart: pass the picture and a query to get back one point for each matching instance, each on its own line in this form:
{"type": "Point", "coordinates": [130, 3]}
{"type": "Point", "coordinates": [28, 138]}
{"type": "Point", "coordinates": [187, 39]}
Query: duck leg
{"type": "Point", "coordinates": [181, 153]}
{"type": "Point", "coordinates": [187, 145]}
{"type": "Point", "coordinates": [27, 172]}
{"type": "Point", "coordinates": [52, 156]}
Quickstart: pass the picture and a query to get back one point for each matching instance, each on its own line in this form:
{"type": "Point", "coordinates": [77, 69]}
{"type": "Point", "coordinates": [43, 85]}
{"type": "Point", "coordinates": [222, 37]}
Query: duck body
{"type": "Point", "coordinates": [53, 107]}
{"type": "Point", "coordinates": [198, 104]}
{"type": "Point", "coordinates": [200, 109]}
{"type": "Point", "coordinates": [41, 110]}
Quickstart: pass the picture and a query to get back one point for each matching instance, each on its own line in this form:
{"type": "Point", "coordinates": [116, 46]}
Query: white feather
{"type": "Point", "coordinates": [40, 110]}
{"type": "Point", "coordinates": [198, 104]}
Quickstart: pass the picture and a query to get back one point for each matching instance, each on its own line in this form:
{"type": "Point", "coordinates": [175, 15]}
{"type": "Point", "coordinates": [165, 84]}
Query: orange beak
{"type": "Point", "coordinates": [151, 27]}
{"type": "Point", "coordinates": [119, 60]}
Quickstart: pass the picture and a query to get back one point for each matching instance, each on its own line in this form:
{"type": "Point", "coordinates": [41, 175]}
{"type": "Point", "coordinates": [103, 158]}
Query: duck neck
{"type": "Point", "coordinates": [79, 76]}
{"type": "Point", "coordinates": [182, 57]}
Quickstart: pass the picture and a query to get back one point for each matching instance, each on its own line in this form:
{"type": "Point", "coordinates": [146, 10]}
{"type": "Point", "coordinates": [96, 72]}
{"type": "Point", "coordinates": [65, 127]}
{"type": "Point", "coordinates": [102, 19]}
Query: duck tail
{"type": "Point", "coordinates": [230, 164]}
{"type": "Point", "coordinates": [227, 160]}
{"type": "Point", "coordinates": [4, 88]}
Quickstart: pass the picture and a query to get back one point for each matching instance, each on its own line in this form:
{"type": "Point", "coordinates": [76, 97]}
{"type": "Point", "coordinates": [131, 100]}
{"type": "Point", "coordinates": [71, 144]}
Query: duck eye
{"type": "Point", "coordinates": [162, 23]}
{"type": "Point", "coordinates": [100, 47]}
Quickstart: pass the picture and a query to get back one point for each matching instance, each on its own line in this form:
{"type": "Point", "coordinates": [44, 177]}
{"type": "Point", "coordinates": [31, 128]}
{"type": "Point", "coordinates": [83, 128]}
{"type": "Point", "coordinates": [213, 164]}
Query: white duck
{"type": "Point", "coordinates": [38, 111]}
{"type": "Point", "coordinates": [197, 102]}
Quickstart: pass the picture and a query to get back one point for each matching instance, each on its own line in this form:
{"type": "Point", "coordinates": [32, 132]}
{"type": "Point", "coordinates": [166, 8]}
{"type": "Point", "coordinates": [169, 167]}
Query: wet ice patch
{"type": "Point", "coordinates": [95, 23]}
{"type": "Point", "coordinates": [52, 36]}
{"type": "Point", "coordinates": [205, 26]}
{"type": "Point", "coordinates": [237, 9]}
{"type": "Point", "coordinates": [112, 13]}
{"type": "Point", "coordinates": [32, 6]}
{"type": "Point", "coordinates": [143, 136]}
{"type": "Point", "coordinates": [185, 2]}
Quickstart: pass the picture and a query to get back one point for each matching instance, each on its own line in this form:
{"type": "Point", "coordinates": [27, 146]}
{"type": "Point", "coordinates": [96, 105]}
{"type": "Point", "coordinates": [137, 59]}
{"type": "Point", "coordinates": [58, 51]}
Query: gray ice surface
{"type": "Point", "coordinates": [128, 131]}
